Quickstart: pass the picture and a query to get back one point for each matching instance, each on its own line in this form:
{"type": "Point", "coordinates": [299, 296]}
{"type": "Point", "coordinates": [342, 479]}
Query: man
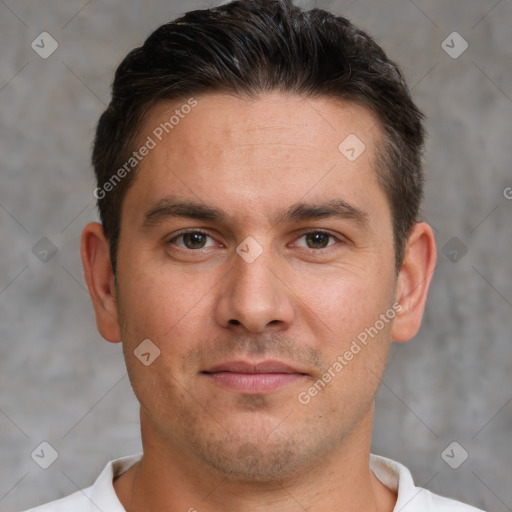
{"type": "Point", "coordinates": [259, 181]}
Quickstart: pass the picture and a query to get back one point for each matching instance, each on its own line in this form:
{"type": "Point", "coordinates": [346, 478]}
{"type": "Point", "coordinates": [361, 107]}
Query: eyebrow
{"type": "Point", "coordinates": [175, 207]}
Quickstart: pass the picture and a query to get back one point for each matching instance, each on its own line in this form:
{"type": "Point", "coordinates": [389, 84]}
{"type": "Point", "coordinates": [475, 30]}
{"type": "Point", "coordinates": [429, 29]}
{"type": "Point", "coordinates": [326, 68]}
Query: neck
{"type": "Point", "coordinates": [167, 478]}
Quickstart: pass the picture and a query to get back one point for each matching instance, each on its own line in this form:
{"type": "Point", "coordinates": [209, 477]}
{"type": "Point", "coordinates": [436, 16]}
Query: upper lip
{"type": "Point", "coordinates": [251, 367]}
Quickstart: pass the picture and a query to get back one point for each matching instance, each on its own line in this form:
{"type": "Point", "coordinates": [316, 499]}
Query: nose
{"type": "Point", "coordinates": [255, 295]}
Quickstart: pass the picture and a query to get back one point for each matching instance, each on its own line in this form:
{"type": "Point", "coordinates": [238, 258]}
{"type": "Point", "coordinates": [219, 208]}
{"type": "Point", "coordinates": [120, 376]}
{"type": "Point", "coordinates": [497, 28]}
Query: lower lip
{"type": "Point", "coordinates": [255, 382]}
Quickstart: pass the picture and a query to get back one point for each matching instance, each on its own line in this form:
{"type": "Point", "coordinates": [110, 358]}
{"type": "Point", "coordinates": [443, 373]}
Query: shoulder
{"type": "Point", "coordinates": [429, 501]}
{"type": "Point", "coordinates": [77, 502]}
{"type": "Point", "coordinates": [99, 496]}
{"type": "Point", "coordinates": [410, 497]}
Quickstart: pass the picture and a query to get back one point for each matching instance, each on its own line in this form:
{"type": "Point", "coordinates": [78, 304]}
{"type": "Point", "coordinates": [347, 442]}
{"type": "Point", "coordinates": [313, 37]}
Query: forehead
{"type": "Point", "coordinates": [222, 121]}
{"type": "Point", "coordinates": [239, 152]}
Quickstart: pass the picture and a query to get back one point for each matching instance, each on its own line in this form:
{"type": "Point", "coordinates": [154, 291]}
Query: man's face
{"type": "Point", "coordinates": [300, 289]}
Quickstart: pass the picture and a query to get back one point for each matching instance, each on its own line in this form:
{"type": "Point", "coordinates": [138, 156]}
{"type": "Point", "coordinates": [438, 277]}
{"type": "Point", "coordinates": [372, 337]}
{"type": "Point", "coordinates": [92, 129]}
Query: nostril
{"type": "Point", "coordinates": [234, 322]}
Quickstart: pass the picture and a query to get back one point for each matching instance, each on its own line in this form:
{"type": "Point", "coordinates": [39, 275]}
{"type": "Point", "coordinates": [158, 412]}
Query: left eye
{"type": "Point", "coordinates": [192, 240]}
{"type": "Point", "coordinates": [316, 239]}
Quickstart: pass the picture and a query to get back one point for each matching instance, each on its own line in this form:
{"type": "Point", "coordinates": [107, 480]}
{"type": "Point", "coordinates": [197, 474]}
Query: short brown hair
{"type": "Point", "coordinates": [249, 47]}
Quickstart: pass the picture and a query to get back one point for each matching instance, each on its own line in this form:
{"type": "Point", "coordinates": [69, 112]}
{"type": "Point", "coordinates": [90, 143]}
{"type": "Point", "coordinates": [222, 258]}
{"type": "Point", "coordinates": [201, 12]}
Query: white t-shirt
{"type": "Point", "coordinates": [102, 496]}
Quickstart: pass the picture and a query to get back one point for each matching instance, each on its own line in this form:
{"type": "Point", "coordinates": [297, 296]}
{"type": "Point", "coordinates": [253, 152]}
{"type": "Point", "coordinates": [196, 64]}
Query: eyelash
{"type": "Point", "coordinates": [302, 234]}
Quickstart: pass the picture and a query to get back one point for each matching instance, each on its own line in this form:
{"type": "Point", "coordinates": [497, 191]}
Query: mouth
{"type": "Point", "coordinates": [254, 378]}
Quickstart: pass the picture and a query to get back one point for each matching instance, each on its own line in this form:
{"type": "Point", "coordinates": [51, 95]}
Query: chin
{"type": "Point", "coordinates": [262, 450]}
{"type": "Point", "coordinates": [255, 462]}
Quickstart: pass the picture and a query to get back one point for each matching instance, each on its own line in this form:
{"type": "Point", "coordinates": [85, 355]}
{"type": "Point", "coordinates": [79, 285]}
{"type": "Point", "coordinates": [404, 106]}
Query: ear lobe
{"type": "Point", "coordinates": [99, 277]}
{"type": "Point", "coordinates": [414, 281]}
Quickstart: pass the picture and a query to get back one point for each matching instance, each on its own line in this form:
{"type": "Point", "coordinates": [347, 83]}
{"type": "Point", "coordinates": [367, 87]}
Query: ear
{"type": "Point", "coordinates": [99, 277]}
{"type": "Point", "coordinates": [413, 282]}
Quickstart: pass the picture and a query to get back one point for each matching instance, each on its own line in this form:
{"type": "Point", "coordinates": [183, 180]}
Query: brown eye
{"type": "Point", "coordinates": [191, 240]}
{"type": "Point", "coordinates": [194, 240]}
{"type": "Point", "coordinates": [316, 240]}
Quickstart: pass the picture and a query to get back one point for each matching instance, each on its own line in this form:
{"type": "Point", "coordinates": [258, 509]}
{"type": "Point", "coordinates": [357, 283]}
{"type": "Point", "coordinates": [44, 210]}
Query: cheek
{"type": "Point", "coordinates": [344, 303]}
{"type": "Point", "coordinates": [171, 309]}
{"type": "Point", "coordinates": [346, 325]}
{"type": "Point", "coordinates": [156, 300]}
{"type": "Point", "coordinates": [154, 308]}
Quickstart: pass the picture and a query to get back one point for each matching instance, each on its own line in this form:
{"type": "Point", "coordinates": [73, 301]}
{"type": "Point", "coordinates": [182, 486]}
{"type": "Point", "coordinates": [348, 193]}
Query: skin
{"type": "Point", "coordinates": [302, 302]}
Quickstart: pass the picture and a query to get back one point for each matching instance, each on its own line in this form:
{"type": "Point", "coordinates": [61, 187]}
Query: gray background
{"type": "Point", "coordinates": [61, 382]}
